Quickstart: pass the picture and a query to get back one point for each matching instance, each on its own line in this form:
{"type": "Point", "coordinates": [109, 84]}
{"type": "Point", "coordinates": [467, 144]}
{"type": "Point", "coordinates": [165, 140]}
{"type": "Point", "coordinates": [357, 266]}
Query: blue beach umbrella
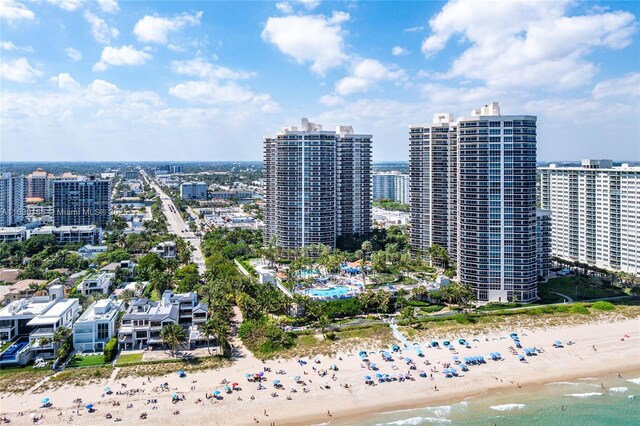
{"type": "Point", "coordinates": [89, 406]}
{"type": "Point", "coordinates": [367, 378]}
{"type": "Point", "coordinates": [276, 382]}
{"type": "Point", "coordinates": [521, 357]}
{"type": "Point", "coordinates": [296, 378]}
{"type": "Point", "coordinates": [455, 357]}
{"type": "Point", "coordinates": [45, 401]}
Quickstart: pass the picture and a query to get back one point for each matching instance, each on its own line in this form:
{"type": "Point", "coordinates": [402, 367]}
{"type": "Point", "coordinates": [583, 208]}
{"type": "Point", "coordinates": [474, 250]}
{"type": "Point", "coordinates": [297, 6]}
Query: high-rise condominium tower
{"type": "Point", "coordinates": [318, 185]}
{"type": "Point", "coordinates": [82, 201]}
{"type": "Point", "coordinates": [473, 191]}
{"type": "Point", "coordinates": [12, 193]}
{"type": "Point", "coordinates": [391, 185]}
{"type": "Point", "coordinates": [595, 213]}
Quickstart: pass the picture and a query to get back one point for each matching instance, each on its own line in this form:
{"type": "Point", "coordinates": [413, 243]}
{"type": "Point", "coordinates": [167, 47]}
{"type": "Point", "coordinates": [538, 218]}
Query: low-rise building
{"type": "Point", "coordinates": [137, 287]}
{"type": "Point", "coordinates": [96, 326]}
{"type": "Point", "coordinates": [99, 282]}
{"type": "Point", "coordinates": [87, 234]}
{"type": "Point", "coordinates": [10, 234]}
{"type": "Point", "coordinates": [144, 319]}
{"type": "Point", "coordinates": [166, 250]}
{"type": "Point", "coordinates": [23, 289]}
{"type": "Point", "coordinates": [31, 324]}
{"type": "Point", "coordinates": [89, 251]}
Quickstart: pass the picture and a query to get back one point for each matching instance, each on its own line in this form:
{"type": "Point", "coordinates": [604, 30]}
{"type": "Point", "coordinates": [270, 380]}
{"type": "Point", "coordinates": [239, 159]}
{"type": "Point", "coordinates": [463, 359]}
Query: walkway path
{"type": "Point", "coordinates": [567, 299]}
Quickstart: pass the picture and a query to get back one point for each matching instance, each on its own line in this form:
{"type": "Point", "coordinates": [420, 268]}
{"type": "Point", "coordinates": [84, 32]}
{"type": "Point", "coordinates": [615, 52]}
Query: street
{"type": "Point", "coordinates": [176, 224]}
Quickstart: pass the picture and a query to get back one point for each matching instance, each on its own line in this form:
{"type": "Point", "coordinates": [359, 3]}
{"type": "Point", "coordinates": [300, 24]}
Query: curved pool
{"type": "Point", "coordinates": [336, 291]}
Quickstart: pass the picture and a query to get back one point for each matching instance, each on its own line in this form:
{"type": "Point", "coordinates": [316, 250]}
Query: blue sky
{"type": "Point", "coordinates": [180, 80]}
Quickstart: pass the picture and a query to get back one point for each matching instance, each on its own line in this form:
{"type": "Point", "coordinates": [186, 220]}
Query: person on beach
{"type": "Point", "coordinates": [329, 413]}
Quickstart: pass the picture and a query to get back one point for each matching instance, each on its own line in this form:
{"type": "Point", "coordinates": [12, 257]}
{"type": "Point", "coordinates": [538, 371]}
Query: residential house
{"type": "Point", "coordinates": [99, 282]}
{"type": "Point", "coordinates": [144, 319]}
{"type": "Point", "coordinates": [96, 326]}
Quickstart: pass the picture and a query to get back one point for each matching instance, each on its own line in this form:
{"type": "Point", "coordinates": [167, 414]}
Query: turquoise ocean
{"type": "Point", "coordinates": [581, 401]}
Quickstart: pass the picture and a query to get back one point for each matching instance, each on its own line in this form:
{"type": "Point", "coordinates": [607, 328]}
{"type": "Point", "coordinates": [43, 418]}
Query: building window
{"type": "Point", "coordinates": [103, 331]}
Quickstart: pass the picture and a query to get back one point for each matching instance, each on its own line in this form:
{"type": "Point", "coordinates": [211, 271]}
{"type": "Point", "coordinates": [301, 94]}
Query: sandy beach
{"type": "Point", "coordinates": [598, 349]}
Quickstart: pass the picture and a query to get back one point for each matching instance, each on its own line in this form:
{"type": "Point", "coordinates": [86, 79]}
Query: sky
{"type": "Point", "coordinates": [180, 80]}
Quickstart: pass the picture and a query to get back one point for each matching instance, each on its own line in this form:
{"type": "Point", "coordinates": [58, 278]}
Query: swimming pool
{"type": "Point", "coordinates": [307, 273]}
{"type": "Point", "coordinates": [336, 291]}
{"type": "Point", "coordinates": [12, 350]}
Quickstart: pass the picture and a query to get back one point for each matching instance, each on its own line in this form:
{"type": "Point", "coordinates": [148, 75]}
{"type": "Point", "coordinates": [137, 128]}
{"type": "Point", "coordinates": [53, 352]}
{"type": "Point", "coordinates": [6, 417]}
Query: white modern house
{"type": "Point", "coordinates": [166, 250]}
{"type": "Point", "coordinates": [96, 283]}
{"type": "Point", "coordinates": [31, 325]}
{"type": "Point", "coordinates": [89, 251]}
{"type": "Point", "coordinates": [96, 326]}
{"type": "Point", "coordinates": [144, 319]}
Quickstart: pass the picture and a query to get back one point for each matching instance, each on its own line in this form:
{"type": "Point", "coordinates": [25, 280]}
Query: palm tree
{"type": "Point", "coordinates": [323, 322]}
{"type": "Point", "coordinates": [366, 247]}
{"type": "Point", "coordinates": [222, 333]}
{"type": "Point", "coordinates": [207, 330]}
{"type": "Point", "coordinates": [173, 335]}
{"type": "Point", "coordinates": [127, 295]}
{"type": "Point", "coordinates": [409, 313]}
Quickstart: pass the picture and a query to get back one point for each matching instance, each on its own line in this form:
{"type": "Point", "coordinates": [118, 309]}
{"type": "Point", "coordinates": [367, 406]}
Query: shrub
{"type": "Point", "coordinates": [110, 350]}
{"type": "Point", "coordinates": [604, 306]}
{"type": "Point", "coordinates": [579, 308]}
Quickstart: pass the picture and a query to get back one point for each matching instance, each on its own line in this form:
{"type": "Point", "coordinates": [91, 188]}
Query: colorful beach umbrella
{"type": "Point", "coordinates": [45, 401]}
{"type": "Point", "coordinates": [216, 393]}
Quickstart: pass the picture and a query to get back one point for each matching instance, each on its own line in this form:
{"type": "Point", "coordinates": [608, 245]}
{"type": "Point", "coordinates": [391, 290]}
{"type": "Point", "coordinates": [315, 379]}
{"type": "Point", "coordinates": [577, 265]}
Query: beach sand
{"type": "Point", "coordinates": [314, 407]}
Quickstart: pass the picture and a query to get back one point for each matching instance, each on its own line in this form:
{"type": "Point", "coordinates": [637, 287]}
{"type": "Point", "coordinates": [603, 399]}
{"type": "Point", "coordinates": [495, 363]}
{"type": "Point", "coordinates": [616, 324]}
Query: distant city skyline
{"type": "Point", "coordinates": [206, 81]}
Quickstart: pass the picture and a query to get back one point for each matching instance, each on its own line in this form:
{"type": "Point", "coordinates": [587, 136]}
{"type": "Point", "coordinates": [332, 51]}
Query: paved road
{"type": "Point", "coordinates": [176, 224]}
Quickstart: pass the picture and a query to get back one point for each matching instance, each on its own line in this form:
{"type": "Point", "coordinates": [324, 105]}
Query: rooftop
{"type": "Point", "coordinates": [101, 309]}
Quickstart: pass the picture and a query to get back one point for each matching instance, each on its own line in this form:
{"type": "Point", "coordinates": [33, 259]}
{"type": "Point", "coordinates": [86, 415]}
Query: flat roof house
{"type": "Point", "coordinates": [96, 326]}
{"type": "Point", "coordinates": [30, 322]}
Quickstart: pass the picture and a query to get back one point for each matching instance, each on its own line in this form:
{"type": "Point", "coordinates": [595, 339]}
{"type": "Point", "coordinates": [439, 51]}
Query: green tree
{"type": "Point", "coordinates": [173, 335]}
{"type": "Point", "coordinates": [187, 278]}
{"type": "Point", "coordinates": [409, 314]}
{"type": "Point", "coordinates": [323, 322]}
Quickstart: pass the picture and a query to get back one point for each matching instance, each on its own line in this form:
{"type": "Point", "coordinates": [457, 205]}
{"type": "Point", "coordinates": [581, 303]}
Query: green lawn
{"type": "Point", "coordinates": [129, 359]}
{"type": "Point", "coordinates": [576, 288]}
{"type": "Point", "coordinates": [6, 346]}
{"type": "Point", "coordinates": [86, 361]}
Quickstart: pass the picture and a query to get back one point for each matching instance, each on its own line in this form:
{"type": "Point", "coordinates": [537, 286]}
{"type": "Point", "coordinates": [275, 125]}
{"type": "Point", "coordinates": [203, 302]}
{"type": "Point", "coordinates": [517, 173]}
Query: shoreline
{"type": "Point", "coordinates": [356, 401]}
{"type": "Point", "coordinates": [451, 400]}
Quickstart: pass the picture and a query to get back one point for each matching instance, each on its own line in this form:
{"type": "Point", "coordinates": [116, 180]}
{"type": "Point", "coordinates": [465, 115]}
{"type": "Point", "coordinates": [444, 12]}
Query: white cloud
{"type": "Point", "coordinates": [101, 31]}
{"type": "Point", "coordinates": [628, 85]}
{"type": "Point", "coordinates": [413, 29]}
{"type": "Point", "coordinates": [124, 55]}
{"type": "Point", "coordinates": [64, 81]}
{"type": "Point", "coordinates": [7, 45]}
{"type": "Point", "coordinates": [109, 6]}
{"type": "Point", "coordinates": [11, 10]}
{"type": "Point", "coordinates": [218, 85]}
{"type": "Point", "coordinates": [526, 43]}
{"type": "Point", "coordinates": [19, 70]}
{"type": "Point", "coordinates": [68, 5]}
{"type": "Point", "coordinates": [155, 29]}
{"type": "Point", "coordinates": [365, 75]}
{"type": "Point", "coordinates": [73, 54]}
{"type": "Point", "coordinates": [399, 51]}
{"type": "Point", "coordinates": [314, 38]}
{"type": "Point", "coordinates": [199, 67]}
{"type": "Point", "coordinates": [284, 7]}
{"type": "Point", "coordinates": [331, 100]}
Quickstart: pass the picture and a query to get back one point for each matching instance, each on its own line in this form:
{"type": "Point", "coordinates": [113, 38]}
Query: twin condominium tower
{"type": "Point", "coordinates": [472, 185]}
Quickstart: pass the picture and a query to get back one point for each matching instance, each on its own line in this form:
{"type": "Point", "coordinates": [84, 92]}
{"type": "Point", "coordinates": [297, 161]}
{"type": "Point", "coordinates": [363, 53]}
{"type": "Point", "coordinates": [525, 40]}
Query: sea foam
{"type": "Point", "coordinates": [508, 407]}
{"type": "Point", "coordinates": [634, 381]}
{"type": "Point", "coordinates": [620, 389]}
{"type": "Point", "coordinates": [572, 384]}
{"type": "Point", "coordinates": [584, 395]}
{"type": "Point", "coordinates": [416, 421]}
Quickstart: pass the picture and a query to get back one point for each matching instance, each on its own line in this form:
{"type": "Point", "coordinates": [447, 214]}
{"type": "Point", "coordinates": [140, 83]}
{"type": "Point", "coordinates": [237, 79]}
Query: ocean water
{"type": "Point", "coordinates": [580, 402]}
